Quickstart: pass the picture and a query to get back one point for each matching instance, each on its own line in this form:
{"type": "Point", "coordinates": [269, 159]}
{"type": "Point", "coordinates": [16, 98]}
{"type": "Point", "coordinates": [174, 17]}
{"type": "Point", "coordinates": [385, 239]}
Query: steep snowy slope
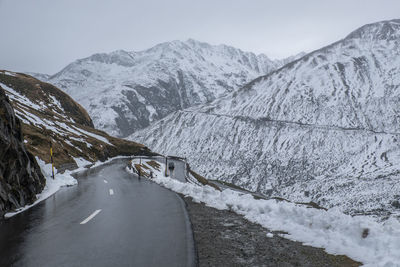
{"type": "Point", "coordinates": [125, 91]}
{"type": "Point", "coordinates": [50, 117]}
{"type": "Point", "coordinates": [325, 128]}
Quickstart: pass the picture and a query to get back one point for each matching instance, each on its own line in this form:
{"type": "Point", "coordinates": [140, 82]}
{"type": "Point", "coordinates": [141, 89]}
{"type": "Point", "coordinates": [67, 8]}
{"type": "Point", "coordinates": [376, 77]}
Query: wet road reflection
{"type": "Point", "coordinates": [140, 224]}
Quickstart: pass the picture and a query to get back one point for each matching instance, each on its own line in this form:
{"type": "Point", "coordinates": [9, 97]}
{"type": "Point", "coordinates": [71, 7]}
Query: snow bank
{"type": "Point", "coordinates": [61, 180]}
{"type": "Point", "coordinates": [81, 162]}
{"type": "Point", "coordinates": [52, 186]}
{"type": "Point", "coordinates": [96, 136]}
{"type": "Point", "coordinates": [361, 238]}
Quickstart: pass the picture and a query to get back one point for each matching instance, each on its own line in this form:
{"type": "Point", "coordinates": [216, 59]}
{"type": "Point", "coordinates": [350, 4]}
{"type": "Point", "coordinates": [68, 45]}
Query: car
{"type": "Point", "coordinates": [171, 166]}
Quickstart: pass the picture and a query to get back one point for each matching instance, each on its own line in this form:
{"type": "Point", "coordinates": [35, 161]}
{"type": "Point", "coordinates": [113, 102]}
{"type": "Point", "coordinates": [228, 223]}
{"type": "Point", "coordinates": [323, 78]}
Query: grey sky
{"type": "Point", "coordinates": [45, 35]}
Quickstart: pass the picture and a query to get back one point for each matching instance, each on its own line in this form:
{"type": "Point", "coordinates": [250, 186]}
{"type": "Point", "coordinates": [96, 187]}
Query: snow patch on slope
{"type": "Point", "coordinates": [52, 186]}
{"type": "Point", "coordinates": [14, 95]}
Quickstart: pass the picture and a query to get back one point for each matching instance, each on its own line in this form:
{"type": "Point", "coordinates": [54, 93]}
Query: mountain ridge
{"type": "Point", "coordinates": [138, 88]}
{"type": "Point", "coordinates": [269, 136]}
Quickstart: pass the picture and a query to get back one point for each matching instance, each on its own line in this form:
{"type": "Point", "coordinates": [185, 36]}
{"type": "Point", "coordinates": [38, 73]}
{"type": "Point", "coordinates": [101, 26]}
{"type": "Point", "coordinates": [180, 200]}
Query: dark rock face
{"type": "Point", "coordinates": [171, 98]}
{"type": "Point", "coordinates": [20, 175]}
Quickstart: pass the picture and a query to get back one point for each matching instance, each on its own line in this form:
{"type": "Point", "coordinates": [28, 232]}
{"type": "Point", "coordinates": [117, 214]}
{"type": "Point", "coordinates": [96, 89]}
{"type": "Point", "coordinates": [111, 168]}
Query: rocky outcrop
{"type": "Point", "coordinates": [20, 175]}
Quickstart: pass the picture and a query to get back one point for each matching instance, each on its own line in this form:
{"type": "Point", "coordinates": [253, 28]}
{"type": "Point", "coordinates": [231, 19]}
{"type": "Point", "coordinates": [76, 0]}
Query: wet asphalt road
{"type": "Point", "coordinates": [140, 224]}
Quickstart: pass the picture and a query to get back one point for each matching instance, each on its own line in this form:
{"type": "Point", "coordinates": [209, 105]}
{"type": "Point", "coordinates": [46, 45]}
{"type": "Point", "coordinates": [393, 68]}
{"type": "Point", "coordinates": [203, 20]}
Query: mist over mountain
{"type": "Point", "coordinates": [323, 128]}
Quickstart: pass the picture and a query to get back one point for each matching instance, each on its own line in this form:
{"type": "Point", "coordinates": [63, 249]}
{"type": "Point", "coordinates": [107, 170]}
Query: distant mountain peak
{"type": "Point", "coordinates": [126, 90]}
{"type": "Point", "coordinates": [197, 42]}
{"type": "Point", "coordinates": [119, 57]}
{"type": "Point", "coordinates": [383, 30]}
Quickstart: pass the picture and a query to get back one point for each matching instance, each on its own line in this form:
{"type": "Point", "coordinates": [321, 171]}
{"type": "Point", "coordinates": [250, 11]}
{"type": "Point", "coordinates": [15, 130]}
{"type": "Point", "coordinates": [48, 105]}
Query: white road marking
{"type": "Point", "coordinates": [90, 217]}
{"type": "Point", "coordinates": [105, 181]}
{"type": "Point", "coordinates": [111, 192]}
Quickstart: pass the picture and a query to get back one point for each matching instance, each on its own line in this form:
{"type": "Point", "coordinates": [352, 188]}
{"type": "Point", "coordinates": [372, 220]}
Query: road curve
{"type": "Point", "coordinates": [109, 219]}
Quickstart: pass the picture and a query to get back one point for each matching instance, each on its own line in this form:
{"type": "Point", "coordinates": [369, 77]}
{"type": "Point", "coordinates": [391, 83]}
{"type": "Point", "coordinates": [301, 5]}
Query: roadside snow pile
{"type": "Point", "coordinates": [52, 186]}
{"type": "Point", "coordinates": [81, 162]}
{"type": "Point", "coordinates": [361, 238]}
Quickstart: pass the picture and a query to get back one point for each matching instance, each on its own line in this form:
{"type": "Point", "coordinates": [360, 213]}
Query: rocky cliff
{"type": "Point", "coordinates": [20, 175]}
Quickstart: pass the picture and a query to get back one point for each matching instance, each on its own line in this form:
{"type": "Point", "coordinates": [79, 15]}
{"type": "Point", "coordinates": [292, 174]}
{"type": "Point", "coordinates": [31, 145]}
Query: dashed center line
{"type": "Point", "coordinates": [105, 181]}
{"type": "Point", "coordinates": [91, 216]}
{"type": "Point", "coordinates": [111, 192]}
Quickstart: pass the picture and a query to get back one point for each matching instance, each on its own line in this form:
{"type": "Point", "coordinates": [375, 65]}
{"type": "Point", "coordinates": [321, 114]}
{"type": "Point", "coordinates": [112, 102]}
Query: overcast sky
{"type": "Point", "coordinates": [45, 35]}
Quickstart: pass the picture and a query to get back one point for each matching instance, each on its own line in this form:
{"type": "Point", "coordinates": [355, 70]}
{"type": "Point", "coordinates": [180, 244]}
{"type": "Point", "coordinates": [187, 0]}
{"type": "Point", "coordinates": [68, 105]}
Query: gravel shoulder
{"type": "Point", "coordinates": [224, 238]}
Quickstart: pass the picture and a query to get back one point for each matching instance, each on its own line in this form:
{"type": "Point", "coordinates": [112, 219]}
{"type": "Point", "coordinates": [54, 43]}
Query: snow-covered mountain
{"type": "Point", "coordinates": [39, 76]}
{"type": "Point", "coordinates": [126, 91]}
{"type": "Point", "coordinates": [290, 59]}
{"type": "Point", "coordinates": [324, 128]}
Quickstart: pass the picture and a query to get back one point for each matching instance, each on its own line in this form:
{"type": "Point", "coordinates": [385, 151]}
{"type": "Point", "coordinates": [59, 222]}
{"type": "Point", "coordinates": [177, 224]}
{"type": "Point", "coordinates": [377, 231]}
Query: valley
{"type": "Point", "coordinates": [230, 156]}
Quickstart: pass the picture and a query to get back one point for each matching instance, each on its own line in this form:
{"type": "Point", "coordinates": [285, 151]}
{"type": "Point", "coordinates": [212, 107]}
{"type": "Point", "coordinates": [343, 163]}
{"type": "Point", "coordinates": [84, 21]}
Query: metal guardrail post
{"type": "Point", "coordinates": [51, 160]}
{"type": "Point", "coordinates": [166, 166]}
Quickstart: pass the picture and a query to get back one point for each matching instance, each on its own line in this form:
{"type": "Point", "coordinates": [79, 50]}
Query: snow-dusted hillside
{"type": "Point", "coordinates": [126, 91]}
{"type": "Point", "coordinates": [50, 117]}
{"type": "Point", "coordinates": [324, 128]}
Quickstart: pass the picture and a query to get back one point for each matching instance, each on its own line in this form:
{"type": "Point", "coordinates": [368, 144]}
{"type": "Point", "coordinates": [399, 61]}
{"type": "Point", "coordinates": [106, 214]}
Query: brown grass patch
{"type": "Point", "coordinates": [155, 165]}
{"type": "Point", "coordinates": [203, 180]}
{"type": "Point", "coordinates": [140, 169]}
